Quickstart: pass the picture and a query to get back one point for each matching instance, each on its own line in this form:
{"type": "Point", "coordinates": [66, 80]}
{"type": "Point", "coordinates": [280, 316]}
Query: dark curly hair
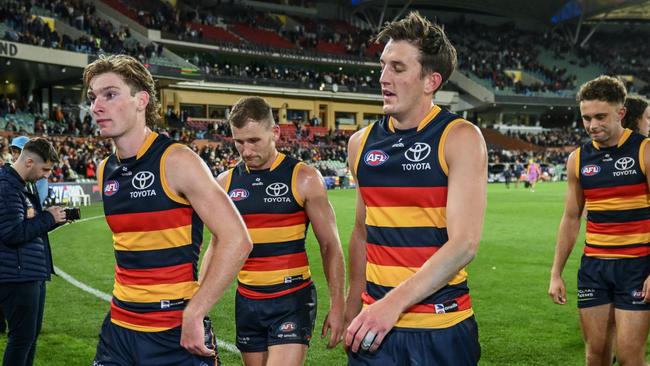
{"type": "Point", "coordinates": [604, 88]}
{"type": "Point", "coordinates": [635, 107]}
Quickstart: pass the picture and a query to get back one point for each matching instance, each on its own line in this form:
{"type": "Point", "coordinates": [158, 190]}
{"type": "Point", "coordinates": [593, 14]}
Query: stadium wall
{"type": "Point", "coordinates": [326, 110]}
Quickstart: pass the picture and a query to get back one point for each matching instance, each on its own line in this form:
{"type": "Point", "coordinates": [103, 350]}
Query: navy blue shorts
{"type": "Point", "coordinates": [454, 346]}
{"type": "Point", "coordinates": [613, 281]}
{"type": "Point", "coordinates": [125, 347]}
{"type": "Point", "coordinates": [280, 320]}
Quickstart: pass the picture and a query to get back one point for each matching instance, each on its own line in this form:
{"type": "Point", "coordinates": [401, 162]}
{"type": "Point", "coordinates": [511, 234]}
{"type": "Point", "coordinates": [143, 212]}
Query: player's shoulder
{"type": "Point", "coordinates": [462, 129]}
{"type": "Point", "coordinates": [179, 153]}
{"type": "Point", "coordinates": [306, 171]}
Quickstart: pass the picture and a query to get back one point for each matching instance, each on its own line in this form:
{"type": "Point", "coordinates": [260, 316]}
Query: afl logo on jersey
{"type": "Point", "coordinates": [589, 170]}
{"type": "Point", "coordinates": [238, 194]}
{"type": "Point", "coordinates": [111, 187]}
{"type": "Point", "coordinates": [375, 157]}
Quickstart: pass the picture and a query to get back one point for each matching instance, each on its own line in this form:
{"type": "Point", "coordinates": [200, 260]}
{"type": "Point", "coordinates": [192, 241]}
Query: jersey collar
{"type": "Point", "coordinates": [423, 123]}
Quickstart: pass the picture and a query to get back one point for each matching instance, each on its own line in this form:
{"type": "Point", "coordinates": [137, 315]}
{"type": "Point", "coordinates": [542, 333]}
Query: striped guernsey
{"type": "Point", "coordinates": [156, 236]}
{"type": "Point", "coordinates": [402, 177]}
{"type": "Point", "coordinates": [616, 197]}
{"type": "Point", "coordinates": [277, 223]}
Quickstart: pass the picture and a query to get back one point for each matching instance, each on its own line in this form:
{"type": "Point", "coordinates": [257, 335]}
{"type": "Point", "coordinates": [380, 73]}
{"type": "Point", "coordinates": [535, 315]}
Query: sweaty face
{"type": "Point", "coordinates": [255, 143]}
{"type": "Point", "coordinates": [644, 122]}
{"type": "Point", "coordinates": [403, 88]}
{"type": "Point", "coordinates": [602, 120]}
{"type": "Point", "coordinates": [111, 103]}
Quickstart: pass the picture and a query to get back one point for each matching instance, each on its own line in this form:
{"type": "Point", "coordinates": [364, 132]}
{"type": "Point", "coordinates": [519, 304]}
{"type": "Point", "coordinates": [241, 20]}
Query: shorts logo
{"type": "Point", "coordinates": [111, 187]}
{"type": "Point", "coordinates": [375, 157]}
{"type": "Point", "coordinates": [277, 189]}
{"type": "Point", "coordinates": [238, 194]}
{"type": "Point", "coordinates": [142, 180]}
{"type": "Point", "coordinates": [637, 294]}
{"type": "Point", "coordinates": [447, 307]}
{"type": "Point", "coordinates": [418, 152]}
{"type": "Point", "coordinates": [586, 294]}
{"type": "Point", "coordinates": [624, 163]}
{"type": "Point", "coordinates": [287, 327]}
{"type": "Point", "coordinates": [290, 279]}
{"type": "Point", "coordinates": [589, 170]}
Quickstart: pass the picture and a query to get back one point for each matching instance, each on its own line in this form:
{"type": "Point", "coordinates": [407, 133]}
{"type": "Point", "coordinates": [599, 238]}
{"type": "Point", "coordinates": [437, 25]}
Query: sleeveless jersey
{"type": "Point", "coordinates": [617, 198]}
{"type": "Point", "coordinates": [402, 178]}
{"type": "Point", "coordinates": [156, 236]}
{"type": "Point", "coordinates": [273, 211]}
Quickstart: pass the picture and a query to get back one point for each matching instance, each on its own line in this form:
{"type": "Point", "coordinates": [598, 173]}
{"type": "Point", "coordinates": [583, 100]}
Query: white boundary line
{"type": "Point", "coordinates": [106, 297]}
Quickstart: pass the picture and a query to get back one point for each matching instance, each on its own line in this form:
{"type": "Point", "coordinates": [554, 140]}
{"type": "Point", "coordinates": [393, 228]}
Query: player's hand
{"type": "Point", "coordinates": [368, 329]}
{"type": "Point", "coordinates": [335, 323]}
{"type": "Point", "coordinates": [557, 290]}
{"type": "Point", "coordinates": [192, 336]}
{"type": "Point", "coordinates": [646, 290]}
{"type": "Point", "coordinates": [58, 213]}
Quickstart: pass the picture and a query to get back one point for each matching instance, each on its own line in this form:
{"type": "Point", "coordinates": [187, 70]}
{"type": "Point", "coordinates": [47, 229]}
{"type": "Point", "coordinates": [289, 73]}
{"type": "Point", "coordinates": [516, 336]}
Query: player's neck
{"type": "Point", "coordinates": [130, 143]}
{"type": "Point", "coordinates": [614, 139]}
{"type": "Point", "coordinates": [413, 118]}
{"type": "Point", "coordinates": [269, 163]}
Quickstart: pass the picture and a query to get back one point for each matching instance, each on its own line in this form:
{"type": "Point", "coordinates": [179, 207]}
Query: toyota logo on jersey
{"type": "Point", "coordinates": [624, 163]}
{"type": "Point", "coordinates": [418, 152]}
{"type": "Point", "coordinates": [277, 189]}
{"type": "Point", "coordinates": [375, 157]}
{"type": "Point", "coordinates": [238, 194]}
{"type": "Point", "coordinates": [142, 180]}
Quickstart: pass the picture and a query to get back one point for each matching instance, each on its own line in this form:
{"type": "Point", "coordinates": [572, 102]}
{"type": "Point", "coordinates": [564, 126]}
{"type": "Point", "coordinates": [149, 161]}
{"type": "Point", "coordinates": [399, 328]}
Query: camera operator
{"type": "Point", "coordinates": [25, 257]}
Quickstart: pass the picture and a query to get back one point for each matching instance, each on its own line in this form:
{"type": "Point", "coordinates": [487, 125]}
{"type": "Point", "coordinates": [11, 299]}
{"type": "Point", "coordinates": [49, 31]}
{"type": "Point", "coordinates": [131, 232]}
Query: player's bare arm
{"type": "Point", "coordinates": [189, 177]}
{"type": "Point", "coordinates": [646, 160]}
{"type": "Point", "coordinates": [321, 215]}
{"type": "Point", "coordinates": [356, 247]}
{"type": "Point", "coordinates": [568, 232]}
{"type": "Point", "coordinates": [466, 156]}
{"type": "Point", "coordinates": [205, 263]}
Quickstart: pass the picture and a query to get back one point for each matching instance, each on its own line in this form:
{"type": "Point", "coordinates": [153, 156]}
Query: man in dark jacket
{"type": "Point", "coordinates": [25, 258]}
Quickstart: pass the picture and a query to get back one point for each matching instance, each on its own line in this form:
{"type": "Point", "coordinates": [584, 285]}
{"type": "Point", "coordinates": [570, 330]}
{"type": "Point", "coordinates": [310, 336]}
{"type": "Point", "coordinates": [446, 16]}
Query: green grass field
{"type": "Point", "coordinates": [518, 323]}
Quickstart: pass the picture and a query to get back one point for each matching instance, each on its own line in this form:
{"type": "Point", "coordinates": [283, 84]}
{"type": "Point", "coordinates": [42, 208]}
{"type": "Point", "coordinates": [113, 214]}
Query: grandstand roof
{"type": "Point", "coordinates": [17, 71]}
{"type": "Point", "coordinates": [546, 12]}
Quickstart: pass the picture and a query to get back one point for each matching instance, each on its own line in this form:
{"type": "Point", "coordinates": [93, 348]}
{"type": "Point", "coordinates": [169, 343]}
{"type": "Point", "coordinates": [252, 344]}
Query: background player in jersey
{"type": "Point", "coordinates": [278, 196]}
{"type": "Point", "coordinates": [421, 174]}
{"type": "Point", "coordinates": [157, 195]}
{"type": "Point", "coordinates": [608, 176]}
{"type": "Point", "coordinates": [533, 173]}
{"type": "Point", "coordinates": [637, 115]}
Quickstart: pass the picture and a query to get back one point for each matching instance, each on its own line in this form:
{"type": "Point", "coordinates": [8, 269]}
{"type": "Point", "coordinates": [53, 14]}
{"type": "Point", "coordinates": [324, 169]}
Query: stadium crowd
{"type": "Point", "coordinates": [101, 35]}
{"type": "Point", "coordinates": [489, 52]}
{"type": "Point", "coordinates": [553, 138]}
{"type": "Point", "coordinates": [80, 156]}
{"type": "Point", "coordinates": [274, 74]}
